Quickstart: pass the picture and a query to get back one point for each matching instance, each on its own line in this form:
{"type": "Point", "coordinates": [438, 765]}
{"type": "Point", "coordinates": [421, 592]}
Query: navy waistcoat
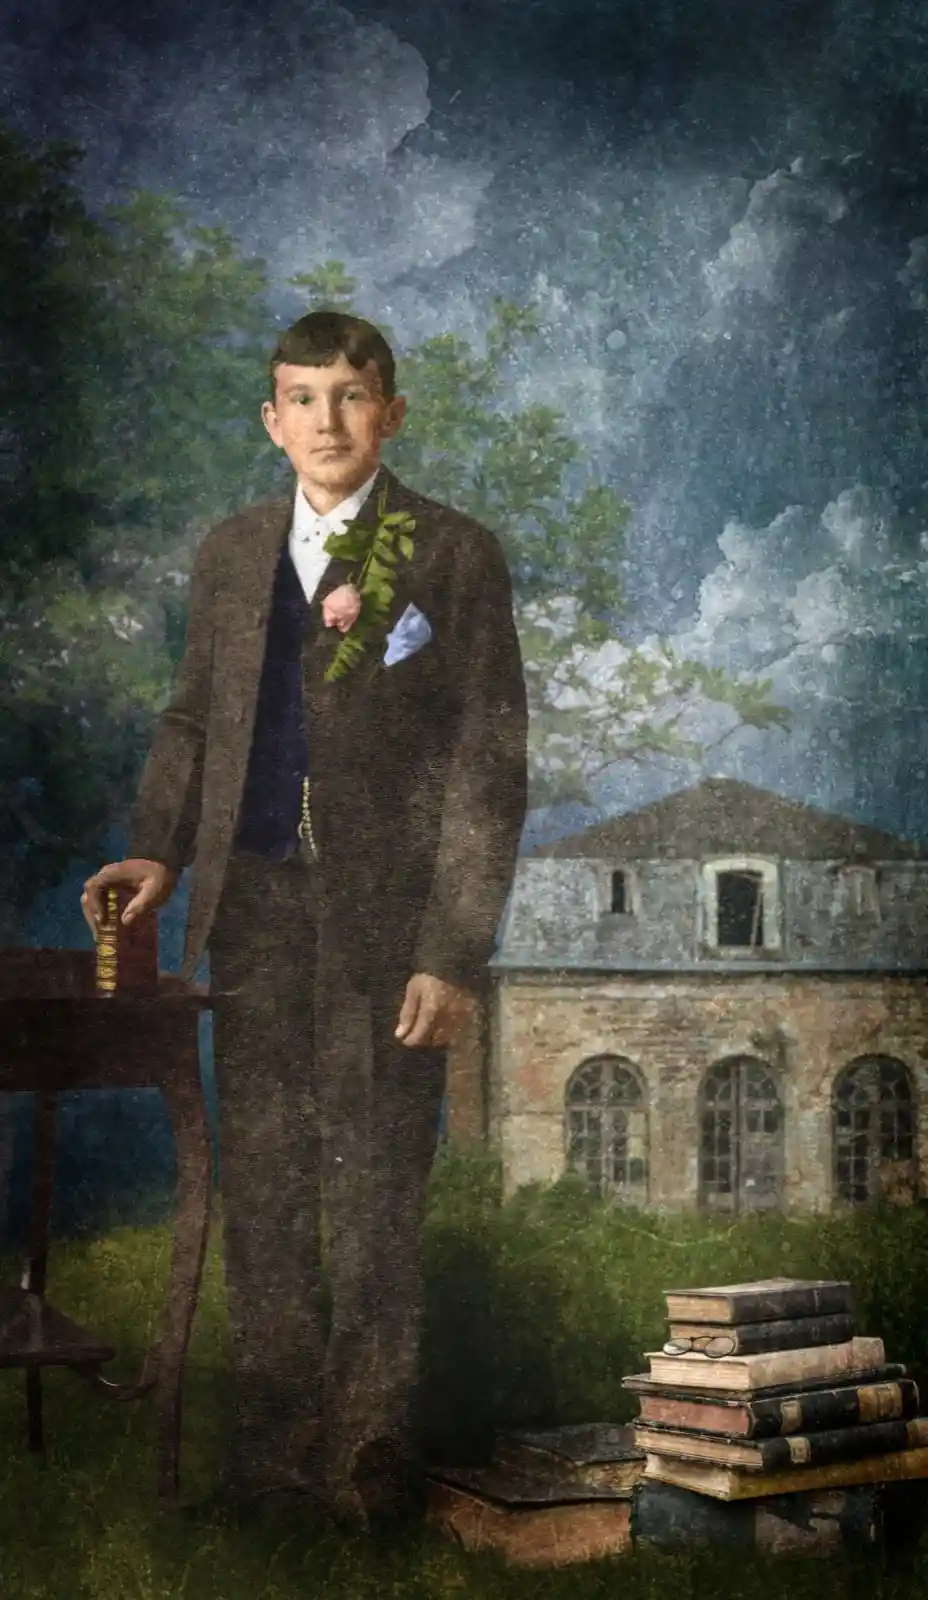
{"type": "Point", "coordinates": [270, 811]}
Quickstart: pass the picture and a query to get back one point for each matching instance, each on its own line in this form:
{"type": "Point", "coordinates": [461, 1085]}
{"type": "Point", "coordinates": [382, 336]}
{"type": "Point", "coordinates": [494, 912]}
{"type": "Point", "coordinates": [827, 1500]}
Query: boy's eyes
{"type": "Point", "coordinates": [350, 394]}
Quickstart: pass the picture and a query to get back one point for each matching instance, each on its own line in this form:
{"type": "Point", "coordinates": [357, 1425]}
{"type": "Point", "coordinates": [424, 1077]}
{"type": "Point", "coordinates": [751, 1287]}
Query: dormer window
{"type": "Point", "coordinates": [619, 905]}
{"type": "Point", "coordinates": [741, 908]}
{"type": "Point", "coordinates": [740, 900]}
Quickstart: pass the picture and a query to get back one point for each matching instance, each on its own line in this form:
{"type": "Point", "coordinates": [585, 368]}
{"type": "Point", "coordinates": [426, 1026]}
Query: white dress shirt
{"type": "Point", "coordinates": [310, 531]}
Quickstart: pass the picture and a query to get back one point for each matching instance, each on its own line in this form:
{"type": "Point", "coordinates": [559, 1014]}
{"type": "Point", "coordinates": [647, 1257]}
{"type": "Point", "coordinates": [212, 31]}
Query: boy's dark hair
{"type": "Point", "coordinates": [319, 338]}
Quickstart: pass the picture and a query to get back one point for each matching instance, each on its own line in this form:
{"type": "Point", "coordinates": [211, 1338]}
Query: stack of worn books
{"type": "Point", "coordinates": [764, 1389]}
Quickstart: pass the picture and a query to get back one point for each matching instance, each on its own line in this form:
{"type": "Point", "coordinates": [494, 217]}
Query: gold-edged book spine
{"type": "Point", "coordinates": [107, 946]}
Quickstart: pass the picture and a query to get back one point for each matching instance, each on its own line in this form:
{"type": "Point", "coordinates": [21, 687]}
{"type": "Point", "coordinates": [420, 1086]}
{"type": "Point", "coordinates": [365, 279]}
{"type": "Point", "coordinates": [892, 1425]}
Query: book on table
{"type": "Point", "coordinates": [126, 955]}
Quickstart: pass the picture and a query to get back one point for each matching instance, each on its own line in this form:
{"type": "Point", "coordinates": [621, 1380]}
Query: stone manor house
{"type": "Point", "coordinates": [716, 1001]}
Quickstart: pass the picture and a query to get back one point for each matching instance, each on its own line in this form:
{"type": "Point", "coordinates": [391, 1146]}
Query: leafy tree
{"type": "Point", "coordinates": [328, 288]}
{"type": "Point", "coordinates": [131, 376]}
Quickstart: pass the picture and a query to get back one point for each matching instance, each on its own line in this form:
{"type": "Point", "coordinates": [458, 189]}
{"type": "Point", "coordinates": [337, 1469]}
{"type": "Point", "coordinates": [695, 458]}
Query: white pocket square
{"type": "Point", "coordinates": [409, 635]}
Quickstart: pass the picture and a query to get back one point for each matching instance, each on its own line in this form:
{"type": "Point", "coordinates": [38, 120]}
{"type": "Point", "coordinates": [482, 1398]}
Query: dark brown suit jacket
{"type": "Point", "coordinates": [418, 770]}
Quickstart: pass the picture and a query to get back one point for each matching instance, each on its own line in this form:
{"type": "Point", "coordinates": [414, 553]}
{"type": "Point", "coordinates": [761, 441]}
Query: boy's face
{"type": "Point", "coordinates": [331, 422]}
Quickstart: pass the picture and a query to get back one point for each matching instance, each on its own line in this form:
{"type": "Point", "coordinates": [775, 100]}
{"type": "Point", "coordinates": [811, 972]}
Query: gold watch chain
{"type": "Point", "coordinates": [305, 829]}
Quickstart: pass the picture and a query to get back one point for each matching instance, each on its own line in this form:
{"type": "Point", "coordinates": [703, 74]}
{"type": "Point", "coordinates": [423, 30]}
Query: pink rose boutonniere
{"type": "Point", "coordinates": [342, 607]}
{"type": "Point", "coordinates": [360, 608]}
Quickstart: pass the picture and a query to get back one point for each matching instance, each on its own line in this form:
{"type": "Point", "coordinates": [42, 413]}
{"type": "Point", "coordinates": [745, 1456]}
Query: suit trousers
{"type": "Point", "coordinates": [316, 1142]}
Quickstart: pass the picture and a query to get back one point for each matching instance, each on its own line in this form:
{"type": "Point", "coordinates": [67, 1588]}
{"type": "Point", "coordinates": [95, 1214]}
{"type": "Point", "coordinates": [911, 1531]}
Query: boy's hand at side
{"type": "Point", "coordinates": [433, 1012]}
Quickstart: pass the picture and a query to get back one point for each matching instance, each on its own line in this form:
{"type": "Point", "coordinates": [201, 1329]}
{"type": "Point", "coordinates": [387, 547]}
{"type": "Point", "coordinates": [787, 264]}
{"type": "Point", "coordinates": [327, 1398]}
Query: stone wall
{"type": "Point", "coordinates": [816, 913]}
{"type": "Point", "coordinates": [673, 1028]}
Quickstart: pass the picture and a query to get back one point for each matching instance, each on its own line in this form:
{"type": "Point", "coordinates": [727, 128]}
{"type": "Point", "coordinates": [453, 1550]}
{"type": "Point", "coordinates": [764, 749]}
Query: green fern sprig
{"type": "Point", "coordinates": [378, 550]}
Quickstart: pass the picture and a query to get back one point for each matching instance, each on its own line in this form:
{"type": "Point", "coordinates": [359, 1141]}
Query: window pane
{"type": "Point", "coordinates": [741, 1142]}
{"type": "Point", "coordinates": [873, 1131]}
{"type": "Point", "coordinates": [740, 908]}
{"type": "Point", "coordinates": [605, 1128]}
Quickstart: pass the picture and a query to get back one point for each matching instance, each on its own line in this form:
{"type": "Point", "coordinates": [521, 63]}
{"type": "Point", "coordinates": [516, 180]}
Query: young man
{"type": "Point", "coordinates": [352, 844]}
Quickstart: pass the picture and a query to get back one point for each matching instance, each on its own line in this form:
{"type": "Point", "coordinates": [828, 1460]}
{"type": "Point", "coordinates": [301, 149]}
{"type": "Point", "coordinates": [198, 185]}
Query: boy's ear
{"type": "Point", "coordinates": [271, 422]}
{"type": "Point", "coordinates": [393, 420]}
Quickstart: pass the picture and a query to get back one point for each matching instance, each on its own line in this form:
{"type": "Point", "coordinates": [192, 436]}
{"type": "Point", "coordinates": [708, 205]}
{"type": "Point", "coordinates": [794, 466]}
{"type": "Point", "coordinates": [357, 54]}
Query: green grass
{"type": "Point", "coordinates": [536, 1308]}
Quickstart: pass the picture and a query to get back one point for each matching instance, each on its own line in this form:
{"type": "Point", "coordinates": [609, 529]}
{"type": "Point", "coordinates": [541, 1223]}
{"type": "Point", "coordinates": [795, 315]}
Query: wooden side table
{"type": "Point", "coordinates": [58, 1035]}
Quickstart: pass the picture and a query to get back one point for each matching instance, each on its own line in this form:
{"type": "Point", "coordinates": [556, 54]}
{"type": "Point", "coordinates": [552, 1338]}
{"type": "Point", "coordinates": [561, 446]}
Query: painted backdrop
{"type": "Point", "coordinates": [661, 287]}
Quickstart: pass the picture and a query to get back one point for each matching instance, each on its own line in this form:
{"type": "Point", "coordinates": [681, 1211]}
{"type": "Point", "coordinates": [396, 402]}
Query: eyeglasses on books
{"type": "Point", "coordinates": [715, 1346]}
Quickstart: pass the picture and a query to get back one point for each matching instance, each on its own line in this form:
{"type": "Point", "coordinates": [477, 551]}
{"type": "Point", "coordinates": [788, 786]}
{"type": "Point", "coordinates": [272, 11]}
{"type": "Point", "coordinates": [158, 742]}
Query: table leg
{"type": "Point", "coordinates": [44, 1130]}
{"type": "Point", "coordinates": [34, 1408]}
{"type": "Point", "coordinates": [187, 1110]}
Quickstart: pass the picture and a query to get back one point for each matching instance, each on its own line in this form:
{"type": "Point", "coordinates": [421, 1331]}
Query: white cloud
{"type": "Point", "coordinates": [803, 583]}
{"type": "Point", "coordinates": [763, 242]}
{"type": "Point", "coordinates": [287, 125]}
{"type": "Point", "coordinates": [801, 602]}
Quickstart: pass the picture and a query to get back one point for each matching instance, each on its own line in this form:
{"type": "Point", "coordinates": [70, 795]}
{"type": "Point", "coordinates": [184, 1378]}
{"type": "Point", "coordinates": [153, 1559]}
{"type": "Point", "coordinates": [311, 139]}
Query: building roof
{"type": "Point", "coordinates": [722, 816]}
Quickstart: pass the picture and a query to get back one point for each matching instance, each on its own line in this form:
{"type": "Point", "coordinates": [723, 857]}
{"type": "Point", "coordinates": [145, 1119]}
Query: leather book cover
{"type": "Point", "coordinates": [531, 1520]}
{"type": "Point", "coordinates": [798, 1413]}
{"type": "Point", "coordinates": [729, 1483]}
{"type": "Point", "coordinates": [781, 1455]}
{"type": "Point", "coordinates": [753, 1338]}
{"type": "Point", "coordinates": [641, 1383]}
{"type": "Point", "coordinates": [764, 1300]}
{"type": "Point", "coordinates": [603, 1454]}
{"type": "Point", "coordinates": [127, 957]}
{"type": "Point", "coordinates": [796, 1367]}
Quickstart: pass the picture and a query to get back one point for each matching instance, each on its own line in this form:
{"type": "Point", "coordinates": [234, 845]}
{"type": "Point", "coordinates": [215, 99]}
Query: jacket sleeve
{"type": "Point", "coordinates": [486, 791]}
{"type": "Point", "coordinates": [167, 809]}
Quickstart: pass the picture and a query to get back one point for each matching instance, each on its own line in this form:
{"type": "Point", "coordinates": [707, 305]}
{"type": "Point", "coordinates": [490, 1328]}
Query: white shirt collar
{"type": "Point", "coordinates": [310, 524]}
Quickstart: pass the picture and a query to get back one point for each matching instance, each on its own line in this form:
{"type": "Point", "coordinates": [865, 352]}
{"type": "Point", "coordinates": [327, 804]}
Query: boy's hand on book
{"type": "Point", "coordinates": [153, 882]}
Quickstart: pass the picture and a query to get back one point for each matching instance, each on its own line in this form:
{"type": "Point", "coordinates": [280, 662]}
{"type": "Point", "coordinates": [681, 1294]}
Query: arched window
{"type": "Point", "coordinates": [873, 1132]}
{"type": "Point", "coordinates": [741, 1151]}
{"type": "Point", "coordinates": [606, 1128]}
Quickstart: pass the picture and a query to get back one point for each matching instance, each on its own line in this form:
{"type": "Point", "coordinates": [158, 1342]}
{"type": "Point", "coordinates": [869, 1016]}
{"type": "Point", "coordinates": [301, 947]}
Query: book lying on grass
{"type": "Point", "coordinates": [532, 1520]}
{"type": "Point", "coordinates": [766, 1300]}
{"type": "Point", "coordinates": [751, 1338]}
{"type": "Point", "coordinates": [598, 1453]}
{"type": "Point", "coordinates": [798, 1367]}
{"type": "Point", "coordinates": [779, 1455]}
{"type": "Point", "coordinates": [730, 1483]}
{"type": "Point", "coordinates": [787, 1414]}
